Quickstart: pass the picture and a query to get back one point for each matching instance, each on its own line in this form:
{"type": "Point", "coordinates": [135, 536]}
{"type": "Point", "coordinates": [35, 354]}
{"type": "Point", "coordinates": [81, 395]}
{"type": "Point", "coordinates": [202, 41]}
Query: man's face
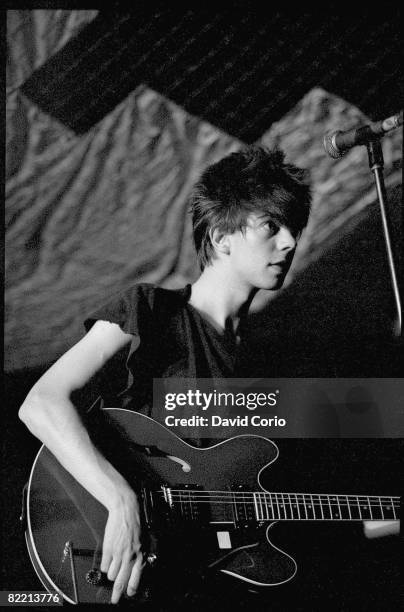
{"type": "Point", "coordinates": [261, 255]}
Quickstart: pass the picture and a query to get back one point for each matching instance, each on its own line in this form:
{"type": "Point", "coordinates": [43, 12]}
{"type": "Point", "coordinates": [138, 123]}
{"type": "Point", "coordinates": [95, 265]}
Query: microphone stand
{"type": "Point", "coordinates": [376, 165]}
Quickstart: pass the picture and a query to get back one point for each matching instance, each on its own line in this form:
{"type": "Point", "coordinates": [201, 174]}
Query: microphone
{"type": "Point", "coordinates": [337, 143]}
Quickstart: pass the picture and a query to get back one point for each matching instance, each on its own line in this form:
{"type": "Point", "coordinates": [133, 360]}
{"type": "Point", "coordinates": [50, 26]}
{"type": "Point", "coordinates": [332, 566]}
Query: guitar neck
{"type": "Point", "coordinates": [241, 506]}
{"type": "Point", "coordinates": [309, 507]}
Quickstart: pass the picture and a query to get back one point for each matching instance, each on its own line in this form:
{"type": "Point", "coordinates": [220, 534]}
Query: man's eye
{"type": "Point", "coordinates": [270, 227]}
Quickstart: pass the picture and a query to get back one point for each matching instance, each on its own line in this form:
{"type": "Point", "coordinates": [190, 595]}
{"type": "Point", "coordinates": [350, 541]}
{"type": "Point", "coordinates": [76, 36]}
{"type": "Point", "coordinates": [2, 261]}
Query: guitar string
{"type": "Point", "coordinates": [246, 496]}
{"type": "Point", "coordinates": [284, 502]}
{"type": "Point", "coordinates": [267, 493]}
{"type": "Point", "coordinates": [264, 494]}
{"type": "Point", "coordinates": [287, 507]}
{"type": "Point", "coordinates": [360, 503]}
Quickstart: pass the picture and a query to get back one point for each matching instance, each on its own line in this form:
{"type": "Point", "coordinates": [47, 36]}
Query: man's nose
{"type": "Point", "coordinates": [285, 239]}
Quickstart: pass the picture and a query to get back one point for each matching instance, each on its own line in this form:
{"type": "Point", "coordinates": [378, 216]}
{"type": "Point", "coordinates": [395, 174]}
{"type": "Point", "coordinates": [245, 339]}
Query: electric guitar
{"type": "Point", "coordinates": [207, 507]}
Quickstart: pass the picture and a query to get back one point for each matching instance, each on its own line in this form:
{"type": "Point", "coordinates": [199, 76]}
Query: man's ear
{"type": "Point", "coordinates": [220, 240]}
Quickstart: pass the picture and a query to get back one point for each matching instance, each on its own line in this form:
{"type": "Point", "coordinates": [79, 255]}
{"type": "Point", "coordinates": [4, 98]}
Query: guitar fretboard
{"type": "Point", "coordinates": [242, 506]}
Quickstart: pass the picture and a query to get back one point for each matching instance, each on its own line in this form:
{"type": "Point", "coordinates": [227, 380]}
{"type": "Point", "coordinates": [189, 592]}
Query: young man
{"type": "Point", "coordinates": [248, 212]}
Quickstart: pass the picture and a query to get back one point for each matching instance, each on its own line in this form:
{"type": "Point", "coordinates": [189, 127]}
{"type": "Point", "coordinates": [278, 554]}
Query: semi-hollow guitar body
{"type": "Point", "coordinates": [203, 510]}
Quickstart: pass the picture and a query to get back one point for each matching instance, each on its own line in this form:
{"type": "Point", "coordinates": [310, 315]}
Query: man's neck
{"type": "Point", "coordinates": [224, 302]}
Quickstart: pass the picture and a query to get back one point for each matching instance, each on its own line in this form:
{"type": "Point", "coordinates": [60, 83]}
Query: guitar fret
{"type": "Point", "coordinates": [325, 510]}
{"type": "Point", "coordinates": [308, 507]}
{"type": "Point", "coordinates": [297, 505]}
{"type": "Point", "coordinates": [381, 507]}
{"type": "Point", "coordinates": [313, 508]}
{"type": "Point", "coordinates": [359, 507]}
{"type": "Point", "coordinates": [321, 507]}
{"type": "Point", "coordinates": [305, 509]}
{"type": "Point", "coordinates": [283, 507]}
{"type": "Point", "coordinates": [331, 501]}
{"type": "Point", "coordinates": [353, 508]}
{"type": "Point", "coordinates": [291, 506]}
{"type": "Point", "coordinates": [388, 512]}
{"type": "Point", "coordinates": [277, 505]}
{"type": "Point", "coordinates": [288, 507]}
{"type": "Point", "coordinates": [377, 509]}
{"type": "Point", "coordinates": [366, 510]}
{"type": "Point", "coordinates": [329, 505]}
{"type": "Point", "coordinates": [302, 507]}
{"type": "Point", "coordinates": [339, 509]}
{"type": "Point", "coordinates": [349, 507]}
{"type": "Point", "coordinates": [388, 509]}
{"type": "Point", "coordinates": [394, 510]}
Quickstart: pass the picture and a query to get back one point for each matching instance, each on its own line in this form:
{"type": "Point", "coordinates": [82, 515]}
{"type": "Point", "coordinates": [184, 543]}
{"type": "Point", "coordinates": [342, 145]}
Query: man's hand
{"type": "Point", "coordinates": [122, 558]}
{"type": "Point", "coordinates": [376, 529]}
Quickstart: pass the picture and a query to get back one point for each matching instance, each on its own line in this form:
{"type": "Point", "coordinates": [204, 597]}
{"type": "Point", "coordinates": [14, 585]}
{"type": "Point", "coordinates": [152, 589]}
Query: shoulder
{"type": "Point", "coordinates": [164, 304]}
{"type": "Point", "coordinates": [140, 306]}
{"type": "Point", "coordinates": [157, 296]}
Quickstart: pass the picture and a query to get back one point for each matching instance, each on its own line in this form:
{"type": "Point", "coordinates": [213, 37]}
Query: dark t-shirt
{"type": "Point", "coordinates": [171, 339]}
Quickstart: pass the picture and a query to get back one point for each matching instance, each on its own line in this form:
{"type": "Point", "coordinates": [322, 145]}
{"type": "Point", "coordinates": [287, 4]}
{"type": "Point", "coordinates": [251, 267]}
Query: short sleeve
{"type": "Point", "coordinates": [131, 310]}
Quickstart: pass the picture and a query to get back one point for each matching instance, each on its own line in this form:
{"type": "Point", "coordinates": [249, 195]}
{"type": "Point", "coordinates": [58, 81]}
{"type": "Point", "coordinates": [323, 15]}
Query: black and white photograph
{"type": "Point", "coordinates": [203, 354]}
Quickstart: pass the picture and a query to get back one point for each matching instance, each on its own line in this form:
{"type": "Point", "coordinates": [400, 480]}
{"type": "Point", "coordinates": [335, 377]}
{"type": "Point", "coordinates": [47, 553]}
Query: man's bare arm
{"type": "Point", "coordinates": [51, 416]}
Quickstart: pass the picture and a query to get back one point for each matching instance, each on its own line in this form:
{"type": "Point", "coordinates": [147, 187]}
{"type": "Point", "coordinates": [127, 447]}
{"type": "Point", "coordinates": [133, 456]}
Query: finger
{"type": "Point", "coordinates": [121, 581]}
{"type": "Point", "coordinates": [105, 560]}
{"type": "Point", "coordinates": [114, 569]}
{"type": "Point", "coordinates": [135, 575]}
